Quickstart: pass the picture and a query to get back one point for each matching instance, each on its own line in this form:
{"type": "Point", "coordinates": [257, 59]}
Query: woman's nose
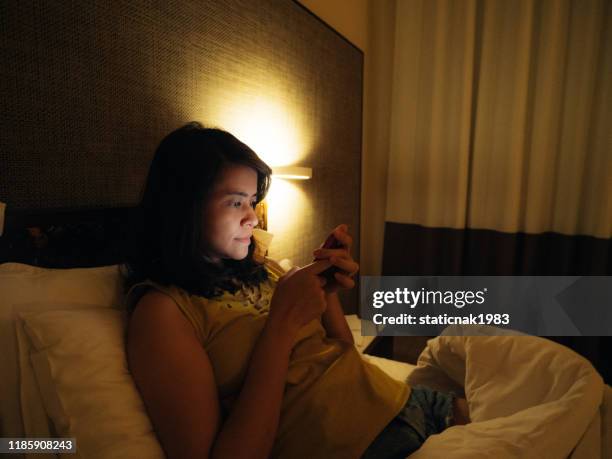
{"type": "Point", "coordinates": [251, 217]}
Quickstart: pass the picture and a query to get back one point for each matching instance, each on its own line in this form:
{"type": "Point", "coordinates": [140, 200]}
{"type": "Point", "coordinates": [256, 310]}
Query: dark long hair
{"type": "Point", "coordinates": [166, 245]}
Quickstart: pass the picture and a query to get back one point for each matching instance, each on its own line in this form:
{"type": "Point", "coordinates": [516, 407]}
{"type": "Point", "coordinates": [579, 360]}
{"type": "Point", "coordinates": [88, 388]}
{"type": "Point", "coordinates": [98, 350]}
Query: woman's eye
{"type": "Point", "coordinates": [238, 204]}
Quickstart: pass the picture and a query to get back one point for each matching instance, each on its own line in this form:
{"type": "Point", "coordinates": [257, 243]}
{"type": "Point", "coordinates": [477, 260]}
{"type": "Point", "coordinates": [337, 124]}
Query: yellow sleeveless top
{"type": "Point", "coordinates": [335, 403]}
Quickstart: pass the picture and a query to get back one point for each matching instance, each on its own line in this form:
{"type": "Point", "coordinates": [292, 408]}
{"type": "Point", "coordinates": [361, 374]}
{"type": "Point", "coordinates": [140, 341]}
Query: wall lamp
{"type": "Point", "coordinates": [283, 172]}
{"type": "Point", "coordinates": [292, 172]}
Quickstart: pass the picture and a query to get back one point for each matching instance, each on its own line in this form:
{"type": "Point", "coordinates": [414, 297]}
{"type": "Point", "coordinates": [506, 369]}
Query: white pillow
{"type": "Point", "coordinates": [78, 358]}
{"type": "Point", "coordinates": [35, 420]}
{"type": "Point", "coordinates": [19, 284]}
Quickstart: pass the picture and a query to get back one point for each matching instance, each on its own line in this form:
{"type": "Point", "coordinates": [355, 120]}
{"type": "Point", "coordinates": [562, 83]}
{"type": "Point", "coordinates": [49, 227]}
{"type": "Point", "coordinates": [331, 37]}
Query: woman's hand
{"type": "Point", "coordinates": [340, 258]}
{"type": "Point", "coordinates": [299, 297]}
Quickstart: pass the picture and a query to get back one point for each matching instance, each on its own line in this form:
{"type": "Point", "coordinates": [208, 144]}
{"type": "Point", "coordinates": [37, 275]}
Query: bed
{"type": "Point", "coordinates": [62, 331]}
{"type": "Point", "coordinates": [65, 374]}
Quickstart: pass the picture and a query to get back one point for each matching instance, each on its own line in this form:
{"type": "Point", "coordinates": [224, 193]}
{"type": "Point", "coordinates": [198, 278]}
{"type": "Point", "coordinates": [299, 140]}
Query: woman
{"type": "Point", "coordinates": [233, 361]}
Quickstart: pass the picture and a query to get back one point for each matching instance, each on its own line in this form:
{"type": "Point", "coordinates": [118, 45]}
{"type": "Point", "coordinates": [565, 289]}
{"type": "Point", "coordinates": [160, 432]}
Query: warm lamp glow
{"type": "Point", "coordinates": [288, 207]}
{"type": "Point", "coordinates": [292, 172]}
{"type": "Point", "coordinates": [272, 123]}
{"type": "Point", "coordinates": [266, 126]}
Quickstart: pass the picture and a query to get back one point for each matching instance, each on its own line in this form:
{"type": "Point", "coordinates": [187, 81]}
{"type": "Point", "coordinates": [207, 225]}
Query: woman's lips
{"type": "Point", "coordinates": [244, 240]}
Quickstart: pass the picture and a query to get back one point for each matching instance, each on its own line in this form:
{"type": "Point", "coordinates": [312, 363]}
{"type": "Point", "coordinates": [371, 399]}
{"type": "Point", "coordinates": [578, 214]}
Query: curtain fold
{"type": "Point", "coordinates": [431, 112]}
{"type": "Point", "coordinates": [501, 116]}
{"type": "Point", "coordinates": [500, 156]}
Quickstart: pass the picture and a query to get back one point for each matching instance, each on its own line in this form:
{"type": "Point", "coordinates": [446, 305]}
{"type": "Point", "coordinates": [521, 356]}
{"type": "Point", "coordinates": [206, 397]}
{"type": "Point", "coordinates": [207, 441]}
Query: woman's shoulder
{"type": "Point", "coordinates": [137, 291]}
{"type": "Point", "coordinates": [149, 291]}
{"type": "Point", "coordinates": [156, 305]}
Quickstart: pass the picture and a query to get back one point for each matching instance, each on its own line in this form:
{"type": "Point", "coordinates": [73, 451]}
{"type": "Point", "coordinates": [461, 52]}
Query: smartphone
{"type": "Point", "coordinates": [330, 243]}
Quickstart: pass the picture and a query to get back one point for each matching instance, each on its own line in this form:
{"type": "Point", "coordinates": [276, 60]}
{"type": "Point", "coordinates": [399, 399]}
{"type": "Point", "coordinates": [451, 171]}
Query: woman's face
{"type": "Point", "coordinates": [229, 214]}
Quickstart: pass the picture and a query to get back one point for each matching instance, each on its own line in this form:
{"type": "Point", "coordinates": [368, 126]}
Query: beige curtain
{"type": "Point", "coordinates": [501, 116]}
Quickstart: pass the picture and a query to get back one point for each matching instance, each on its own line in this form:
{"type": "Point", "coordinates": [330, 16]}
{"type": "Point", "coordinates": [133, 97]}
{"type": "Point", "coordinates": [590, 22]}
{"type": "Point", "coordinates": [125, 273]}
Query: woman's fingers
{"type": "Point", "coordinates": [344, 280]}
{"type": "Point", "coordinates": [339, 258]}
{"type": "Point", "coordinates": [348, 265]}
{"type": "Point", "coordinates": [342, 227]}
{"type": "Point", "coordinates": [328, 253]}
{"type": "Point", "coordinates": [340, 232]}
{"type": "Point", "coordinates": [343, 237]}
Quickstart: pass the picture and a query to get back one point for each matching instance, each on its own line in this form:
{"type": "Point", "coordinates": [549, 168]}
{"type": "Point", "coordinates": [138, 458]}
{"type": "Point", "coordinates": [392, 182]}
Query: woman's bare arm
{"type": "Point", "coordinates": [333, 320]}
{"type": "Point", "coordinates": [174, 377]}
{"type": "Point", "coordinates": [176, 380]}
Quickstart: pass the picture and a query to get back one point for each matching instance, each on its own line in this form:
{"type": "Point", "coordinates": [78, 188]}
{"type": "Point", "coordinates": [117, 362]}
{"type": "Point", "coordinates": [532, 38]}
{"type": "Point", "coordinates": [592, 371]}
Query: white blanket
{"type": "Point", "coordinates": [528, 397]}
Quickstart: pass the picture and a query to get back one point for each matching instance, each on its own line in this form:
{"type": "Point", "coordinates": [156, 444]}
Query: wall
{"type": "Point", "coordinates": [369, 25]}
{"type": "Point", "coordinates": [348, 17]}
{"type": "Point", "coordinates": [88, 97]}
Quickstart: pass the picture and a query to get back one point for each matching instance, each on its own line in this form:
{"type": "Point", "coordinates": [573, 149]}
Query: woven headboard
{"type": "Point", "coordinates": [88, 90]}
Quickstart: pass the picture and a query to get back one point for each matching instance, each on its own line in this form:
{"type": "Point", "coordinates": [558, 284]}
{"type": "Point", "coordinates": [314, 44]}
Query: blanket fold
{"type": "Point", "coordinates": [528, 397]}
